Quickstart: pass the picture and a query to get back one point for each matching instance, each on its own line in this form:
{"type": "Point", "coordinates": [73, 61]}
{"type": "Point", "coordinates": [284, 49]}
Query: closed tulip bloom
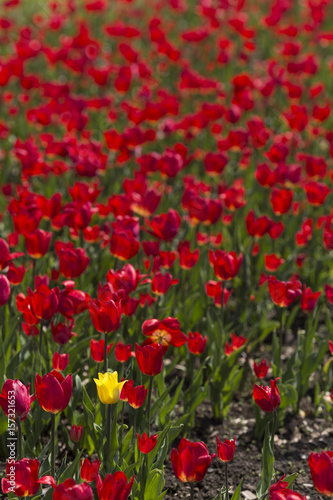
{"type": "Point", "coordinates": [15, 393]}
{"type": "Point", "coordinates": [226, 450]}
{"type": "Point", "coordinates": [114, 486]}
{"type": "Point", "coordinates": [321, 467]}
{"type": "Point", "coordinates": [53, 391]}
{"type": "Point", "coordinates": [89, 471]}
{"type": "Point", "coordinates": [72, 261]}
{"type": "Point", "coordinates": [149, 358]}
{"type": "Point", "coordinates": [261, 369]}
{"type": "Point", "coordinates": [105, 315]}
{"type": "Point", "coordinates": [135, 396]}
{"type": "Point", "coordinates": [162, 282]}
{"type": "Point", "coordinates": [61, 333]}
{"type": "Point", "coordinates": [69, 490]}
{"type": "Point", "coordinates": [76, 433]}
{"type": "Point", "coordinates": [26, 478]}
{"type": "Point", "coordinates": [226, 264]}
{"type": "Point", "coordinates": [15, 274]}
{"type": "Point", "coordinates": [108, 387]}
{"type": "Point", "coordinates": [267, 398]}
{"type": "Point", "coordinates": [4, 289]}
{"type": "Point", "coordinates": [196, 343]}
{"type": "Point", "coordinates": [97, 349]}
{"type": "Point", "coordinates": [123, 352]}
{"type": "Point", "coordinates": [60, 361]}
{"type": "Point", "coordinates": [191, 461]}
{"type": "Point", "coordinates": [145, 443]}
{"type": "Point", "coordinates": [44, 302]}
{"type": "Point", "coordinates": [37, 243]}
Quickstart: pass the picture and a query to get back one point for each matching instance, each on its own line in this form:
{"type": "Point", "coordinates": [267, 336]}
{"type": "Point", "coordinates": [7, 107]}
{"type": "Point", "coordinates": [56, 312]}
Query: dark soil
{"type": "Point", "coordinates": [299, 436]}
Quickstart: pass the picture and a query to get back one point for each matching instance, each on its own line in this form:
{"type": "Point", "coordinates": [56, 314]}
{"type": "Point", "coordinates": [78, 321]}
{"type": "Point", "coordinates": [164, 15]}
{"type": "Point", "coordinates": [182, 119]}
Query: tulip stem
{"type": "Point", "coordinates": [108, 438]}
{"type": "Point", "coordinates": [121, 434]}
{"type": "Point", "coordinates": [149, 403]}
{"type": "Point", "coordinates": [105, 354]}
{"type": "Point", "coordinates": [274, 422]}
{"type": "Point", "coordinates": [280, 341]}
{"type": "Point", "coordinates": [41, 345]}
{"type": "Point", "coordinates": [53, 444]}
{"type": "Point", "coordinates": [192, 491]}
{"type": "Point", "coordinates": [19, 439]}
{"type": "Point", "coordinates": [226, 481]}
{"type": "Point", "coordinates": [222, 325]}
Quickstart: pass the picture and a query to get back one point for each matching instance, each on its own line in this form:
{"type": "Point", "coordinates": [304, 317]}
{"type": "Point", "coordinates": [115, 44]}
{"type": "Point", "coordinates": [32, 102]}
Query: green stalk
{"type": "Point", "coordinates": [274, 422]}
{"type": "Point", "coordinates": [192, 491]}
{"type": "Point", "coordinates": [221, 339]}
{"type": "Point", "coordinates": [108, 437]}
{"type": "Point", "coordinates": [226, 480]}
{"type": "Point", "coordinates": [53, 444]}
{"type": "Point", "coordinates": [19, 439]}
{"type": "Point", "coordinates": [41, 346]}
{"type": "Point", "coordinates": [149, 404]}
{"type": "Point", "coordinates": [280, 342]}
{"type": "Point", "coordinates": [105, 353]}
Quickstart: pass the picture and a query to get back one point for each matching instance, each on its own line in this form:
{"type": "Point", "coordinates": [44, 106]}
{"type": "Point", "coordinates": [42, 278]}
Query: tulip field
{"type": "Point", "coordinates": [166, 246]}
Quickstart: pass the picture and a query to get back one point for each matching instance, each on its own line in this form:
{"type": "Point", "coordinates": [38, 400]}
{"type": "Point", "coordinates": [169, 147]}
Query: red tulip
{"type": "Point", "coordinates": [149, 358]}
{"type": "Point", "coordinates": [196, 343]}
{"type": "Point", "coordinates": [105, 315]}
{"type": "Point", "coordinates": [330, 345]}
{"type": "Point", "coordinates": [76, 433]}
{"type": "Point", "coordinates": [309, 299]}
{"type": "Point", "coordinates": [236, 343]}
{"type": "Point", "coordinates": [135, 396]}
{"type": "Point", "coordinates": [261, 369]}
{"type": "Point", "coordinates": [72, 261]}
{"type": "Point", "coordinates": [5, 256]}
{"type": "Point", "coordinates": [321, 467]}
{"type": "Point", "coordinates": [147, 444]}
{"type": "Point", "coordinates": [89, 471]}
{"type": "Point", "coordinates": [60, 361]}
{"type": "Point", "coordinates": [44, 302]}
{"type": "Point", "coordinates": [124, 245]}
{"type": "Point", "coordinates": [329, 293]}
{"type": "Point", "coordinates": [284, 293]}
{"type": "Point", "coordinates": [267, 398]}
{"type": "Point", "coordinates": [191, 461]}
{"type": "Point", "coordinates": [37, 243]}
{"type": "Point", "coordinates": [53, 391]}
{"type": "Point", "coordinates": [25, 473]}
{"type": "Point", "coordinates": [69, 490]}
{"type": "Point", "coordinates": [4, 289]}
{"type": "Point", "coordinates": [97, 349]}
{"type": "Point", "coordinates": [226, 450]}
{"type": "Point", "coordinates": [15, 274]}
{"type": "Point", "coordinates": [15, 395]}
{"type": "Point", "coordinates": [166, 226]}
{"type": "Point", "coordinates": [162, 282]}
{"type": "Point", "coordinates": [164, 332]}
{"type": "Point", "coordinates": [187, 259]}
{"type": "Point", "coordinates": [62, 333]}
{"type": "Point", "coordinates": [226, 265]}
{"type": "Point", "coordinates": [280, 491]}
{"type": "Point", "coordinates": [123, 352]}
{"type": "Point", "coordinates": [114, 486]}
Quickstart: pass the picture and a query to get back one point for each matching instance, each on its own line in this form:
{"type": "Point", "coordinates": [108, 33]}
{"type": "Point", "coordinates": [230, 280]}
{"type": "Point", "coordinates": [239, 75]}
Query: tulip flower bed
{"type": "Point", "coordinates": [166, 283]}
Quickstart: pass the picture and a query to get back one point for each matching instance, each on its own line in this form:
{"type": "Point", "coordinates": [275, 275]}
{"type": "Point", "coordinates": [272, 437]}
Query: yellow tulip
{"type": "Point", "coordinates": [108, 387]}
